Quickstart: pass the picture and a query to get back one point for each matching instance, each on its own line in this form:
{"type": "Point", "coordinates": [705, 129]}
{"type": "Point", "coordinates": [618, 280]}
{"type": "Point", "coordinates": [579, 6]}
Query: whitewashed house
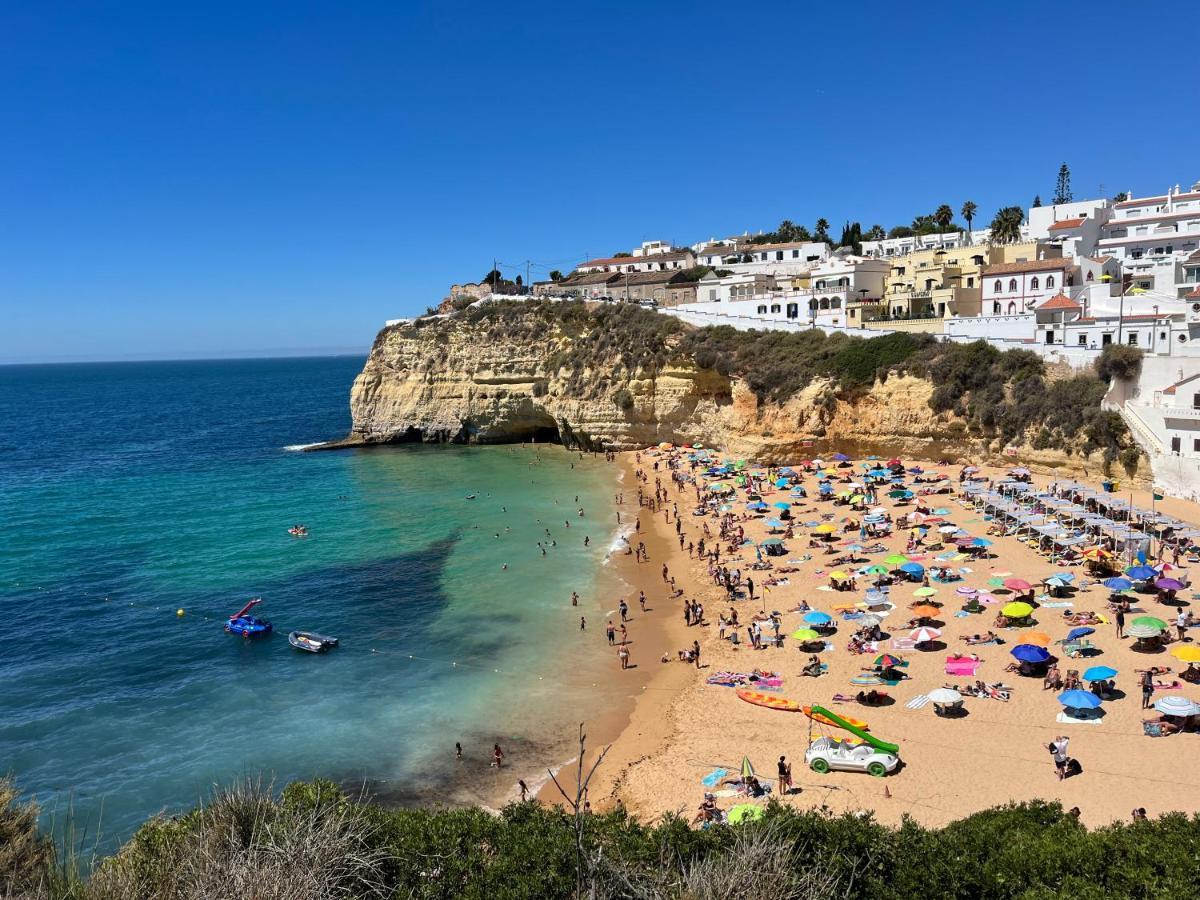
{"type": "Point", "coordinates": [1013, 288]}
{"type": "Point", "coordinates": [1152, 237]}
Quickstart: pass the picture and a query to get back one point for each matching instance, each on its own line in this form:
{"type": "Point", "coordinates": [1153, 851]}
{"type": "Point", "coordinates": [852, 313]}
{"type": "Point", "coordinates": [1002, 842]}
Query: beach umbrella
{"type": "Point", "coordinates": [1077, 699]}
{"type": "Point", "coordinates": [986, 598]}
{"type": "Point", "coordinates": [1176, 706]}
{"type": "Point", "coordinates": [969, 469]}
{"type": "Point", "coordinates": [870, 620]}
{"type": "Point", "coordinates": [840, 457]}
{"type": "Point", "coordinates": [774, 523]}
{"type": "Point", "coordinates": [744, 812]}
{"type": "Point", "coordinates": [1143, 631]}
{"type": "Point", "coordinates": [839, 575]}
{"type": "Point", "coordinates": [787, 470]}
{"type": "Point", "coordinates": [995, 583]}
{"type": "Point", "coordinates": [806, 634]}
{"type": "Point", "coordinates": [876, 570]}
{"type": "Point", "coordinates": [923, 634]}
{"type": "Point", "coordinates": [1189, 653]}
{"type": "Point", "coordinates": [747, 770]}
{"type": "Point", "coordinates": [772, 542]}
{"type": "Point", "coordinates": [782, 504]}
{"type": "Point", "coordinates": [1017, 610]}
{"type": "Point", "coordinates": [980, 542]}
{"type": "Point", "coordinates": [1150, 622]}
{"type": "Point", "coordinates": [948, 529]}
{"type": "Point", "coordinates": [1140, 573]}
{"type": "Point", "coordinates": [896, 559]}
{"type": "Point", "coordinates": [1081, 631]}
{"type": "Point", "coordinates": [1030, 653]}
{"type": "Point", "coordinates": [900, 494]}
{"type": "Point", "coordinates": [1099, 673]}
{"type": "Point", "coordinates": [944, 695]}
{"type": "Point", "coordinates": [925, 610]}
{"type": "Point", "coordinates": [1035, 637]}
{"type": "Point", "coordinates": [913, 568]}
{"type": "Point", "coordinates": [781, 482]}
{"type": "Point", "coordinates": [757, 506]}
{"type": "Point", "coordinates": [1058, 580]}
{"type": "Point", "coordinates": [892, 462]}
{"type": "Point", "coordinates": [966, 591]}
{"type": "Point", "coordinates": [923, 591]}
{"type": "Point", "coordinates": [887, 661]}
{"type": "Point", "coordinates": [1117, 584]}
{"type": "Point", "coordinates": [817, 618]}
{"type": "Point", "coordinates": [1017, 584]}
{"type": "Point", "coordinates": [824, 529]}
{"type": "Point", "coordinates": [1169, 584]}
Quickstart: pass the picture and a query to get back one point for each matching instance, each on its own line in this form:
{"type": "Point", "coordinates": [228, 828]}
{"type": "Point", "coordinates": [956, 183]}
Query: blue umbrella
{"type": "Point", "coordinates": [774, 523]}
{"type": "Point", "coordinates": [1099, 673]}
{"type": "Point", "coordinates": [781, 482]}
{"type": "Point", "coordinates": [787, 470]}
{"type": "Point", "coordinates": [782, 504]}
{"type": "Point", "coordinates": [818, 618]}
{"type": "Point", "coordinates": [1030, 653]}
{"type": "Point", "coordinates": [757, 504]}
{"type": "Point", "coordinates": [1117, 584]}
{"type": "Point", "coordinates": [913, 568]}
{"type": "Point", "coordinates": [981, 542]}
{"type": "Point", "coordinates": [840, 457]}
{"type": "Point", "coordinates": [1081, 631]}
{"type": "Point", "coordinates": [826, 487]}
{"type": "Point", "coordinates": [1140, 573]}
{"type": "Point", "coordinates": [771, 542]}
{"type": "Point", "coordinates": [1078, 699]}
{"type": "Point", "coordinates": [1058, 580]}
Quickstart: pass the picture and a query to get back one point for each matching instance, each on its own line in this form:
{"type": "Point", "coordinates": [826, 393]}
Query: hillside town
{"type": "Point", "coordinates": [1064, 279]}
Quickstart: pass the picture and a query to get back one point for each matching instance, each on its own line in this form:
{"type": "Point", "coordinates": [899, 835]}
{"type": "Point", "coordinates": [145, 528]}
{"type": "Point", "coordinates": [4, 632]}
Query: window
{"type": "Point", "coordinates": [1089, 276]}
{"type": "Point", "coordinates": [995, 307]}
{"type": "Point", "coordinates": [762, 309]}
{"type": "Point", "coordinates": [1196, 445]}
{"type": "Point", "coordinates": [779, 256]}
{"type": "Point", "coordinates": [1175, 442]}
{"type": "Point", "coordinates": [1133, 339]}
{"type": "Point", "coordinates": [1034, 284]}
{"type": "Point", "coordinates": [970, 281]}
{"type": "Point", "coordinates": [1105, 339]}
{"type": "Point", "coordinates": [1049, 282]}
{"type": "Point", "coordinates": [1012, 284]}
{"type": "Point", "coordinates": [1012, 307]}
{"type": "Point", "coordinates": [998, 287]}
{"type": "Point", "coordinates": [1195, 401]}
{"type": "Point", "coordinates": [1083, 339]}
{"type": "Point", "coordinates": [774, 307]}
{"type": "Point", "coordinates": [795, 254]}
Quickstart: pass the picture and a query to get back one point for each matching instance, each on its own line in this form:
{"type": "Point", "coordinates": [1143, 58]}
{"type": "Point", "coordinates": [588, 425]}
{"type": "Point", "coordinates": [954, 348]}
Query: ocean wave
{"type": "Point", "coordinates": [619, 541]}
{"type": "Point", "coordinates": [297, 448]}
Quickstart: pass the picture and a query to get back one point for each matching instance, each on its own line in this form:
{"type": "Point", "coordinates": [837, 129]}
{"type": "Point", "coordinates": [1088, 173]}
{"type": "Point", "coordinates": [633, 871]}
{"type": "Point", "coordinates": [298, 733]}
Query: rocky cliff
{"type": "Point", "coordinates": [456, 379]}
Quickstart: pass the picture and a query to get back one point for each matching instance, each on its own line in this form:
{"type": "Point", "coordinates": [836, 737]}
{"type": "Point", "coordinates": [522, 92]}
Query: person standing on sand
{"type": "Point", "coordinates": [611, 632]}
{"type": "Point", "coordinates": [642, 600]}
{"type": "Point", "coordinates": [696, 652]}
{"type": "Point", "coordinates": [623, 656]}
{"type": "Point", "coordinates": [1147, 688]}
{"type": "Point", "coordinates": [457, 750]}
{"type": "Point", "coordinates": [524, 789]}
{"type": "Point", "coordinates": [582, 623]}
{"type": "Point", "coordinates": [1059, 749]}
{"type": "Point", "coordinates": [1120, 619]}
{"type": "Point", "coordinates": [497, 756]}
{"type": "Point", "coordinates": [785, 776]}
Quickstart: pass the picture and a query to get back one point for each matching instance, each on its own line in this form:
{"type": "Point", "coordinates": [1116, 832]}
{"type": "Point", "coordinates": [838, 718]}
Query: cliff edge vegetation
{"type": "Point", "coordinates": [620, 376]}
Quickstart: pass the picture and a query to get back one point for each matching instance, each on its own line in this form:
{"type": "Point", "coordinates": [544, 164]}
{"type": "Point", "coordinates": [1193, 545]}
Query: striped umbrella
{"type": "Point", "coordinates": [1176, 706]}
{"type": "Point", "coordinates": [925, 633]}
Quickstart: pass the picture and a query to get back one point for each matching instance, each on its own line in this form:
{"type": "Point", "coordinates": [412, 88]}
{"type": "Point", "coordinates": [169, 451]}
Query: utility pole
{"type": "Point", "coordinates": [1121, 311]}
{"type": "Point", "coordinates": [493, 275]}
{"type": "Point", "coordinates": [528, 286]}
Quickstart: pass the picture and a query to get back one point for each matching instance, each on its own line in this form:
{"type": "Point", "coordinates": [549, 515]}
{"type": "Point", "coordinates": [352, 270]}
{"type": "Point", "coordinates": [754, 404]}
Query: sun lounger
{"type": "Point", "coordinates": [1077, 648]}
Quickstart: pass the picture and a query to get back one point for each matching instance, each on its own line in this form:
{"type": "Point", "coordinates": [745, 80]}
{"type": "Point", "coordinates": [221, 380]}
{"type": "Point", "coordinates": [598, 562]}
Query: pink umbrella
{"type": "Point", "coordinates": [987, 598]}
{"type": "Point", "coordinates": [921, 635]}
{"type": "Point", "coordinates": [1017, 584]}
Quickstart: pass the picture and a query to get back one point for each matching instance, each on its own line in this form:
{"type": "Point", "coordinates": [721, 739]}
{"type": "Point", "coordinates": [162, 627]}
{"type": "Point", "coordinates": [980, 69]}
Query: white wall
{"type": "Point", "coordinates": [1018, 327]}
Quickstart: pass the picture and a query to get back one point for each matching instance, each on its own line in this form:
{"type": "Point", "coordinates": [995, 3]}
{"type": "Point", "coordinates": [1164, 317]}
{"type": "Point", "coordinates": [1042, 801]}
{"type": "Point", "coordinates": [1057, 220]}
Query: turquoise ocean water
{"type": "Point", "coordinates": [128, 491]}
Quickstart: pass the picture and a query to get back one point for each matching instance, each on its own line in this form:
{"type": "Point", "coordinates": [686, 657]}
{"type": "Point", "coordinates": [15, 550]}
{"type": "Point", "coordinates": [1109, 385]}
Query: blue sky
{"type": "Point", "coordinates": [223, 178]}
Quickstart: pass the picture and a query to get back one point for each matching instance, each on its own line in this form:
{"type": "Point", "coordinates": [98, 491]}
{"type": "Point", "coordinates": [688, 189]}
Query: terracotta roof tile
{"type": "Point", "coordinates": [1059, 301]}
{"type": "Point", "coordinates": [1065, 224]}
{"type": "Point", "coordinates": [1031, 265]}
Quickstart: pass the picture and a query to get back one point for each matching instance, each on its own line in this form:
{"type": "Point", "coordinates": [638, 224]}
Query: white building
{"type": "Point", "coordinates": [901, 246]}
{"type": "Point", "coordinates": [1152, 237]}
{"type": "Point", "coordinates": [663, 261]}
{"type": "Point", "coordinates": [1017, 287]}
{"type": "Point", "coordinates": [653, 248]}
{"type": "Point", "coordinates": [787, 259]}
{"type": "Point", "coordinates": [1179, 407]}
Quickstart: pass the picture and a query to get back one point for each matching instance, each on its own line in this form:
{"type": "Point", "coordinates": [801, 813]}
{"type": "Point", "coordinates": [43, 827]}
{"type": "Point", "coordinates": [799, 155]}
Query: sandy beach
{"type": "Point", "coordinates": [680, 728]}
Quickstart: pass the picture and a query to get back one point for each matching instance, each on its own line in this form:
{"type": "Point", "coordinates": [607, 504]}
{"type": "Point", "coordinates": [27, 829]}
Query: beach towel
{"type": "Point", "coordinates": [1059, 604]}
{"type": "Point", "coordinates": [1173, 686]}
{"type": "Point", "coordinates": [1063, 719]}
{"type": "Point", "coordinates": [963, 667]}
{"type": "Point", "coordinates": [714, 777]}
{"type": "Point", "coordinates": [962, 614]}
{"type": "Point", "coordinates": [903, 644]}
{"type": "Point", "coordinates": [918, 701]}
{"type": "Point", "coordinates": [866, 679]}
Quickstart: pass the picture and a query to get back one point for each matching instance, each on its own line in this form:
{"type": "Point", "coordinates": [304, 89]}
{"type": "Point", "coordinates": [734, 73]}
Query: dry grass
{"type": "Point", "coordinates": [26, 857]}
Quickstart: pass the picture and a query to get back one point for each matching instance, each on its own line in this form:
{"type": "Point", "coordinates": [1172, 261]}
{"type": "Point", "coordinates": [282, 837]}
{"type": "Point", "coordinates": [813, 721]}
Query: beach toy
{"type": "Point", "coordinates": [1018, 609]}
{"type": "Point", "coordinates": [1035, 637]}
{"type": "Point", "coordinates": [179, 612]}
{"type": "Point", "coordinates": [1099, 673]}
{"type": "Point", "coordinates": [1172, 706]}
{"type": "Point", "coordinates": [824, 719]}
{"type": "Point", "coordinates": [1186, 653]}
{"type": "Point", "coordinates": [1150, 622]}
{"type": "Point", "coordinates": [770, 701]}
{"type": "Point", "coordinates": [1030, 653]}
{"type": "Point", "coordinates": [1078, 699]}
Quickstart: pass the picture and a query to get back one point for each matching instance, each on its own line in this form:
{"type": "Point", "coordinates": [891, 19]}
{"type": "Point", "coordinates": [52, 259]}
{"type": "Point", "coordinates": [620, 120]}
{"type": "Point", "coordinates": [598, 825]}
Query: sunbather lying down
{"type": "Point", "coordinates": [989, 638]}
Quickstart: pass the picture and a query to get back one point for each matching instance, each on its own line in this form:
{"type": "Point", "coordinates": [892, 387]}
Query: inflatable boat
{"type": "Point", "coordinates": [311, 642]}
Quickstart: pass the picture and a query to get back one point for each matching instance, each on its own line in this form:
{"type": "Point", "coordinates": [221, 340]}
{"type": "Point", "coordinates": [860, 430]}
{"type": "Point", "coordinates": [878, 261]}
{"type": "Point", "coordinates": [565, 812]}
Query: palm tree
{"type": "Point", "coordinates": [876, 233]}
{"type": "Point", "coordinates": [1006, 225]}
{"type": "Point", "coordinates": [968, 213]}
{"type": "Point", "coordinates": [942, 217]}
{"type": "Point", "coordinates": [822, 233]}
{"type": "Point", "coordinates": [786, 231]}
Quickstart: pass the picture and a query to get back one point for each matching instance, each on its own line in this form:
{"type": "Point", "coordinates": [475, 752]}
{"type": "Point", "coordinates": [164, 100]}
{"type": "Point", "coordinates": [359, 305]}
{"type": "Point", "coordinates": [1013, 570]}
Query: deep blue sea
{"type": "Point", "coordinates": [129, 491]}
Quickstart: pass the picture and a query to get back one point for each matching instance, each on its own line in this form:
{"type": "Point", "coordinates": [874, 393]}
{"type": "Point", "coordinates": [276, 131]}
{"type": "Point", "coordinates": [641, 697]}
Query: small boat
{"type": "Point", "coordinates": [311, 642]}
{"type": "Point", "coordinates": [470, 496]}
{"type": "Point", "coordinates": [298, 531]}
{"type": "Point", "coordinates": [246, 625]}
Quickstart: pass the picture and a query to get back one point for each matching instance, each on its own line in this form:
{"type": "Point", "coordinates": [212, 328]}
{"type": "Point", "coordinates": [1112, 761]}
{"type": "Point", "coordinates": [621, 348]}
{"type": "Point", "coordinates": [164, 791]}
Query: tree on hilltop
{"type": "Point", "coordinates": [942, 217]}
{"type": "Point", "coordinates": [1062, 189]}
{"type": "Point", "coordinates": [1006, 225]}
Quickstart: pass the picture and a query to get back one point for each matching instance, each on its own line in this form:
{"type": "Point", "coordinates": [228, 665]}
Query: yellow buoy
{"type": "Point", "coordinates": [179, 612]}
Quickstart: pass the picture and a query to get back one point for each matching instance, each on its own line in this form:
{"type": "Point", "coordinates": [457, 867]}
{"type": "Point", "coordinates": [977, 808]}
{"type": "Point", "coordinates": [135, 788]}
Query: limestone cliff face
{"type": "Point", "coordinates": [457, 382]}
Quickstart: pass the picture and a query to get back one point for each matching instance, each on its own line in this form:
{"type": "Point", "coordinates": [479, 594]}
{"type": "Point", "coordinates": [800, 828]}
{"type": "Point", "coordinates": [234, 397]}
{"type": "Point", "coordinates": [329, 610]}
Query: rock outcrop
{"type": "Point", "coordinates": [452, 380]}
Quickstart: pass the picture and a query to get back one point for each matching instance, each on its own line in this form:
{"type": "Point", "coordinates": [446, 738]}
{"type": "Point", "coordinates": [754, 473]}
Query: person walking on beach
{"type": "Point", "coordinates": [1120, 619]}
{"type": "Point", "coordinates": [1147, 688]}
{"type": "Point", "coordinates": [582, 623]}
{"type": "Point", "coordinates": [457, 750]}
{"type": "Point", "coordinates": [623, 655]}
{"type": "Point", "coordinates": [524, 789]}
{"type": "Point", "coordinates": [642, 600]}
{"type": "Point", "coordinates": [1059, 749]}
{"type": "Point", "coordinates": [624, 609]}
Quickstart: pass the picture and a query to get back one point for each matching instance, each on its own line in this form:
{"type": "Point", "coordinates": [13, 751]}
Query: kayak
{"type": "Point", "coordinates": [825, 720]}
{"type": "Point", "coordinates": [770, 701]}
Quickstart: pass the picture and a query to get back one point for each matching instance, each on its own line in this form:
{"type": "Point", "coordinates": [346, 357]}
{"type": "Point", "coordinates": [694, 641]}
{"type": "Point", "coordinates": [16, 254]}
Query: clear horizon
{"type": "Point", "coordinates": [203, 181]}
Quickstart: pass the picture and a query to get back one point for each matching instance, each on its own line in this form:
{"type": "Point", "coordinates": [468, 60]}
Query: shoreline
{"type": "Point", "coordinates": [676, 722]}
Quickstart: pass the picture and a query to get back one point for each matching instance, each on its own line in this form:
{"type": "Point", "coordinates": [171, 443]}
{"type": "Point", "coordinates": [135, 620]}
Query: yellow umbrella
{"type": "Point", "coordinates": [838, 576]}
{"type": "Point", "coordinates": [824, 529]}
{"type": "Point", "coordinates": [1187, 653]}
{"type": "Point", "coordinates": [1017, 610]}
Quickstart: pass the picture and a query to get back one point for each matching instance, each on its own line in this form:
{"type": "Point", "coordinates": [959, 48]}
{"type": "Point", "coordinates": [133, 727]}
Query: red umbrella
{"type": "Point", "coordinates": [1017, 584]}
{"type": "Point", "coordinates": [893, 462]}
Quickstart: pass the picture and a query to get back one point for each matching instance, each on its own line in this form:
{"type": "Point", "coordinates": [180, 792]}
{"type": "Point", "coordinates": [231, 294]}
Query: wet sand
{"type": "Point", "coordinates": [681, 728]}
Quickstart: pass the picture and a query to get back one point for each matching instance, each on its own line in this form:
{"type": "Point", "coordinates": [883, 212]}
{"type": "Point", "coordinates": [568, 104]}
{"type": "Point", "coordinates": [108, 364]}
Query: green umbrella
{"type": "Point", "coordinates": [995, 582]}
{"type": "Point", "coordinates": [744, 812]}
{"type": "Point", "coordinates": [877, 570]}
{"type": "Point", "coordinates": [806, 634]}
{"type": "Point", "coordinates": [896, 559]}
{"type": "Point", "coordinates": [747, 768]}
{"type": "Point", "coordinates": [924, 592]}
{"type": "Point", "coordinates": [1150, 622]}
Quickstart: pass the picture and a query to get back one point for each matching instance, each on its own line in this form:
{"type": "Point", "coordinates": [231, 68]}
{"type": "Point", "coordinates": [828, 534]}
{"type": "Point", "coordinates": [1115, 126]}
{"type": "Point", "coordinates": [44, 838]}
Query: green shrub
{"type": "Point", "coordinates": [1119, 361]}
